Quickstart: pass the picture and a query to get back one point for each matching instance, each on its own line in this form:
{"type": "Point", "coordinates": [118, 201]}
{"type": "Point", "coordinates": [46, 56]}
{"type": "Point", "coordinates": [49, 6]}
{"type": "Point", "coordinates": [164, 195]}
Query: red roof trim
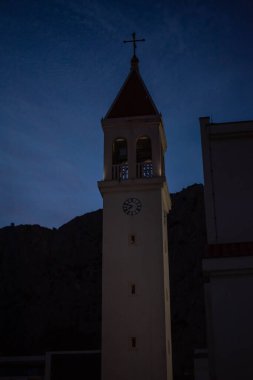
{"type": "Point", "coordinates": [229, 250]}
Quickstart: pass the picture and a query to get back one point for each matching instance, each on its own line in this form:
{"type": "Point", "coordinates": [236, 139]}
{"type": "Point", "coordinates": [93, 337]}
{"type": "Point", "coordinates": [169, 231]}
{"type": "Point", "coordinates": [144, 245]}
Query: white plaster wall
{"type": "Point", "coordinates": [233, 184]}
{"type": "Point", "coordinates": [230, 318]}
{"type": "Point", "coordinates": [228, 163]}
{"type": "Point", "coordinates": [167, 296]}
{"type": "Point", "coordinates": [143, 315]}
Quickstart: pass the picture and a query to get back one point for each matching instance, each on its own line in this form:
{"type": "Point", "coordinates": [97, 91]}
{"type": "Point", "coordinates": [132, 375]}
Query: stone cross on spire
{"type": "Point", "coordinates": [134, 40]}
{"type": "Point", "coordinates": [134, 61]}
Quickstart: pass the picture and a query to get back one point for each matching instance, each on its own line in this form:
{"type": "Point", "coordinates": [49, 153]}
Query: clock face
{"type": "Point", "coordinates": [132, 206]}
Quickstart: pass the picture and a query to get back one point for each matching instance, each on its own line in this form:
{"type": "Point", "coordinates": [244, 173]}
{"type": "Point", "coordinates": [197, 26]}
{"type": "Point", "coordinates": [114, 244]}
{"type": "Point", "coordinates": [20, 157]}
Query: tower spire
{"type": "Point", "coordinates": [134, 60]}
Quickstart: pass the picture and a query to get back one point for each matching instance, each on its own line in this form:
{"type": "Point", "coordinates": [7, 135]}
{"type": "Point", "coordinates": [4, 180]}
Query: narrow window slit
{"type": "Point", "coordinates": [133, 342]}
{"type": "Point", "coordinates": [132, 239]}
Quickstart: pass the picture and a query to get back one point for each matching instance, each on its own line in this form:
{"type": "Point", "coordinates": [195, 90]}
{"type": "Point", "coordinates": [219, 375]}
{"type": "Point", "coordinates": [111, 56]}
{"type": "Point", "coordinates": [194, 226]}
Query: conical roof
{"type": "Point", "coordinates": [133, 98]}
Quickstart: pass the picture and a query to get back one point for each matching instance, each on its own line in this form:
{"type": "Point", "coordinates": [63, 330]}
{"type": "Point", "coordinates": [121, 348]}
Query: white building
{"type": "Point", "coordinates": [228, 263]}
{"type": "Point", "coordinates": [136, 335]}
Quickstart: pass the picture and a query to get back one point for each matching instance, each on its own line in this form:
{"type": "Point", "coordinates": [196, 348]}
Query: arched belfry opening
{"type": "Point", "coordinates": [119, 159]}
{"type": "Point", "coordinates": [144, 166]}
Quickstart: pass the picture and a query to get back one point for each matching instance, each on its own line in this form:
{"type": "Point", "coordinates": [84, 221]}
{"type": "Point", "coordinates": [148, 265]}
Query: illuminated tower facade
{"type": "Point", "coordinates": [136, 333]}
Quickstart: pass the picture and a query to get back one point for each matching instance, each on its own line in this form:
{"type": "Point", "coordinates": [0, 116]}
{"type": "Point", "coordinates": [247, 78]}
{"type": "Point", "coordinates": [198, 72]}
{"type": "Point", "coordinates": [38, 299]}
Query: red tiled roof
{"type": "Point", "coordinates": [229, 250]}
{"type": "Point", "coordinates": [133, 99]}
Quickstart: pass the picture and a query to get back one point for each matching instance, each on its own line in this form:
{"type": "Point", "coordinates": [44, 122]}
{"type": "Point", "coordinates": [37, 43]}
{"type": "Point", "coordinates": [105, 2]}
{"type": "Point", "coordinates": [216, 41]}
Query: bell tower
{"type": "Point", "coordinates": [136, 332]}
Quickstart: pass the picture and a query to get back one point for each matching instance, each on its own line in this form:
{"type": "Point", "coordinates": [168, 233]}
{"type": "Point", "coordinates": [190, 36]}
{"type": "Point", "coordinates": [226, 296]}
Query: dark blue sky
{"type": "Point", "coordinates": [62, 63]}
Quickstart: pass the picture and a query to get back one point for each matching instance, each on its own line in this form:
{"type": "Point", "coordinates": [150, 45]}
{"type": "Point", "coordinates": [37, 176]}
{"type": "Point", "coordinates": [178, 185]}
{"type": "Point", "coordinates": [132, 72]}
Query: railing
{"type": "Point", "coordinates": [120, 172]}
{"type": "Point", "coordinates": [144, 170]}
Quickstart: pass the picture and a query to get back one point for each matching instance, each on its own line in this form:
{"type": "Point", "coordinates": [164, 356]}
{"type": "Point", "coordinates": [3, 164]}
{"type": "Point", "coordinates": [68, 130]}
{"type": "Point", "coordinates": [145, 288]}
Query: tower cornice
{"type": "Point", "coordinates": [141, 184]}
{"type": "Point", "coordinates": [131, 119]}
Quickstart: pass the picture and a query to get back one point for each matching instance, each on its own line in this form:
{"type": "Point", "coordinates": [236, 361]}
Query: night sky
{"type": "Point", "coordinates": [62, 63]}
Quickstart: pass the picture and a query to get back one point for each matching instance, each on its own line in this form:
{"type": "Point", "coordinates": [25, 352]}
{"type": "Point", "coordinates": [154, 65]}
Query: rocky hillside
{"type": "Point", "coordinates": [51, 283]}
